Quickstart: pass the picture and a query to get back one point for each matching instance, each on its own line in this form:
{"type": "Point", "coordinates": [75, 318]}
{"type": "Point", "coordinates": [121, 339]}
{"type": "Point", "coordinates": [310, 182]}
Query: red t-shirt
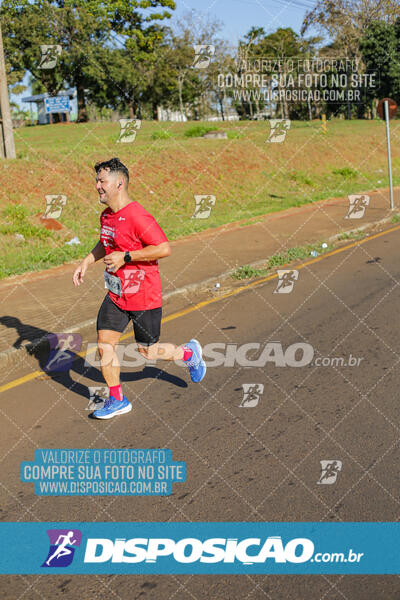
{"type": "Point", "coordinates": [133, 228]}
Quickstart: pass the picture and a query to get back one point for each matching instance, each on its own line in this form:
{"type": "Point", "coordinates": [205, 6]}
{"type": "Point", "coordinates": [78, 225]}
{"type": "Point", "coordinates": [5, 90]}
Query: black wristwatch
{"type": "Point", "coordinates": [127, 257]}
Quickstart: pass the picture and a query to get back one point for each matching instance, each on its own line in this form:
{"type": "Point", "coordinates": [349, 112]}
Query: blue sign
{"type": "Point", "coordinates": [57, 104]}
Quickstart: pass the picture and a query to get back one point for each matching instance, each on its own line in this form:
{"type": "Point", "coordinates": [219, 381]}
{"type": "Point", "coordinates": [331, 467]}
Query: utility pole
{"type": "Point", "coordinates": [386, 104]}
{"type": "Point", "coordinates": [6, 122]}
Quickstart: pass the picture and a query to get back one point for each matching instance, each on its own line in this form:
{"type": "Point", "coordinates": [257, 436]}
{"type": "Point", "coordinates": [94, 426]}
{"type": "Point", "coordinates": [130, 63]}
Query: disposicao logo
{"type": "Point", "coordinates": [191, 550]}
{"type": "Point", "coordinates": [62, 547]}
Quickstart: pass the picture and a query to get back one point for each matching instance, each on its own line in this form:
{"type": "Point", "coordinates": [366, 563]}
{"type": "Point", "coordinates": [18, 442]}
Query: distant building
{"type": "Point", "coordinates": [228, 116]}
{"type": "Point", "coordinates": [165, 114]}
{"type": "Point", "coordinates": [262, 116]}
{"type": "Point", "coordinates": [44, 110]}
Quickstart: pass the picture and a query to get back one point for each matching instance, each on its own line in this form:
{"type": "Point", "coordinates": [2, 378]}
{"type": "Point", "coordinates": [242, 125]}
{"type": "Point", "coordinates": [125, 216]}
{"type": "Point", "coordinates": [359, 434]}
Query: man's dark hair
{"type": "Point", "coordinates": [114, 165]}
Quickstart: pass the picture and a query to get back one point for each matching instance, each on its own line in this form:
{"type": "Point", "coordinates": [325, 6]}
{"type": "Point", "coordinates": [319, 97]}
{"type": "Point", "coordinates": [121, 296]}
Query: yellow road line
{"type": "Point", "coordinates": [186, 311]}
{"type": "Point", "coordinates": [20, 381]}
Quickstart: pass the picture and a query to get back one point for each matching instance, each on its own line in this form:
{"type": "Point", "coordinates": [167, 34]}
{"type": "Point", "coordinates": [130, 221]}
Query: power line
{"type": "Point", "coordinates": [287, 3]}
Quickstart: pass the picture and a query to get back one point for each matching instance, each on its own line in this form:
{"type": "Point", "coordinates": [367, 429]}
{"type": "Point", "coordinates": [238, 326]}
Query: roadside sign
{"type": "Point", "coordinates": [57, 104]}
{"type": "Point", "coordinates": [391, 105]}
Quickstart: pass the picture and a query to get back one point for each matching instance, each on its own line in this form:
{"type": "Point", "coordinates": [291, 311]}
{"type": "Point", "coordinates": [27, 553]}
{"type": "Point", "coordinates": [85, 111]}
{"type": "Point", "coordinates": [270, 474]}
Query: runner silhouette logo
{"type": "Point", "coordinates": [132, 281]}
{"type": "Point", "coordinates": [62, 351]}
{"type": "Point", "coordinates": [63, 543]}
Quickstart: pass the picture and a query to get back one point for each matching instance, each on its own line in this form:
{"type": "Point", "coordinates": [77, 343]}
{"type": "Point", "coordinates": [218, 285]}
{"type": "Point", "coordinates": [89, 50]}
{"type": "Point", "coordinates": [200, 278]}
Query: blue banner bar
{"type": "Point", "coordinates": [200, 548]}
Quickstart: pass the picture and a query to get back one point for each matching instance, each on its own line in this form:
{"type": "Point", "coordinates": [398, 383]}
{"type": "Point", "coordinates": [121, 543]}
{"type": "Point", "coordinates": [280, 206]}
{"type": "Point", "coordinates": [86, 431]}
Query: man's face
{"type": "Point", "coordinates": [107, 185]}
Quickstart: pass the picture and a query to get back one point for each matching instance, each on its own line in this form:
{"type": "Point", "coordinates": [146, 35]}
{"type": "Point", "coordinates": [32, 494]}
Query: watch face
{"type": "Point", "coordinates": [127, 257]}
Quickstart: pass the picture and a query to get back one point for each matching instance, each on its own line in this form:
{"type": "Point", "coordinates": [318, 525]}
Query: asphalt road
{"type": "Point", "coordinates": [254, 463]}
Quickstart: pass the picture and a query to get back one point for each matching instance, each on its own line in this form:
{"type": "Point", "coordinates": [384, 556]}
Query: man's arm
{"type": "Point", "coordinates": [96, 254]}
{"type": "Point", "coordinates": [151, 252]}
{"type": "Point", "coordinates": [115, 260]}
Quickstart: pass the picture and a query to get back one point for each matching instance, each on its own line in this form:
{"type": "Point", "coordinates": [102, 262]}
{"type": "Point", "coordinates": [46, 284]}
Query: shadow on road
{"type": "Point", "coordinates": [57, 357]}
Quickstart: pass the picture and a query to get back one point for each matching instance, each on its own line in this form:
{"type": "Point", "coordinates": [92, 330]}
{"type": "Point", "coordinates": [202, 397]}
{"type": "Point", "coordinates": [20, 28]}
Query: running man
{"type": "Point", "coordinates": [62, 354]}
{"type": "Point", "coordinates": [131, 243]}
{"type": "Point", "coordinates": [62, 549]}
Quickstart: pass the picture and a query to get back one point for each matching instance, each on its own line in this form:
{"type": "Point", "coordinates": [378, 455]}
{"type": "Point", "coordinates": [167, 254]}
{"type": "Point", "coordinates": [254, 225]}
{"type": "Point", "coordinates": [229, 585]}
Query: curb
{"type": "Point", "coordinates": [234, 225]}
{"type": "Point", "coordinates": [14, 355]}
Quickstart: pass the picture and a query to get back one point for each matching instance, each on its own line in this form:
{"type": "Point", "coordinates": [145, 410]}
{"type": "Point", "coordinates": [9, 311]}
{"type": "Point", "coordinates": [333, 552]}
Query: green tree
{"type": "Point", "coordinates": [83, 29]}
{"type": "Point", "coordinates": [221, 63]}
{"type": "Point", "coordinates": [140, 40]}
{"type": "Point", "coordinates": [278, 48]}
{"type": "Point", "coordinates": [345, 21]}
{"type": "Point", "coordinates": [380, 48]}
{"type": "Point", "coordinates": [79, 27]}
{"type": "Point", "coordinates": [250, 46]}
{"type": "Point", "coordinates": [192, 84]}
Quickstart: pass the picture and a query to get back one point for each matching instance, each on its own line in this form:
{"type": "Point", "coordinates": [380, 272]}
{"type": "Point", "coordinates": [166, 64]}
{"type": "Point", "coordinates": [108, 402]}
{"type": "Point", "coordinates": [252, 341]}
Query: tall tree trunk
{"type": "Point", "coordinates": [154, 107]}
{"type": "Point", "coordinates": [251, 107]}
{"type": "Point", "coordinates": [361, 110]}
{"type": "Point", "coordinates": [347, 94]}
{"type": "Point", "coordinates": [180, 86]}
{"type": "Point", "coordinates": [221, 104]}
{"type": "Point", "coordinates": [8, 149]}
{"type": "Point", "coordinates": [82, 112]}
{"type": "Point", "coordinates": [285, 112]}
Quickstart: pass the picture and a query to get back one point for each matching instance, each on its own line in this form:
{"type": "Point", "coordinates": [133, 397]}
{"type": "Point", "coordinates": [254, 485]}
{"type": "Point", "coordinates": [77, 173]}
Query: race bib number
{"type": "Point", "coordinates": [112, 283]}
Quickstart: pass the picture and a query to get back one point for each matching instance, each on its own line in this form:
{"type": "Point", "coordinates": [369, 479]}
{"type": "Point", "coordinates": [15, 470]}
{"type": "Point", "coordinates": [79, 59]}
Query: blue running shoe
{"type": "Point", "coordinates": [113, 407]}
{"type": "Point", "coordinates": [196, 364]}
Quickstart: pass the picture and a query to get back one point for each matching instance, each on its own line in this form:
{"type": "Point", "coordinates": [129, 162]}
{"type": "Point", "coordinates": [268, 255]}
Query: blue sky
{"type": "Point", "coordinates": [237, 18]}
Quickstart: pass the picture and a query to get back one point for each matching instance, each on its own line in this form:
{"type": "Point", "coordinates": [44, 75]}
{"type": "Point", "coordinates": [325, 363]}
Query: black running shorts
{"type": "Point", "coordinates": [146, 323]}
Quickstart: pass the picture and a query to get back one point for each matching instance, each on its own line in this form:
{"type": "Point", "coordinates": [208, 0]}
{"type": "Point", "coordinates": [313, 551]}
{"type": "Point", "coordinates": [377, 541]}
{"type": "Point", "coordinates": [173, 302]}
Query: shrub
{"type": "Point", "coordinates": [160, 135]}
{"type": "Point", "coordinates": [199, 130]}
{"type": "Point", "coordinates": [347, 172]}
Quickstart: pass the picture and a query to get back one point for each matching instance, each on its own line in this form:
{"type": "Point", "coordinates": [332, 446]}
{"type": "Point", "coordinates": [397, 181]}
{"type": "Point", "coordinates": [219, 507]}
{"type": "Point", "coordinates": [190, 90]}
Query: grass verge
{"type": "Point", "coordinates": [248, 177]}
{"type": "Point", "coordinates": [281, 260]}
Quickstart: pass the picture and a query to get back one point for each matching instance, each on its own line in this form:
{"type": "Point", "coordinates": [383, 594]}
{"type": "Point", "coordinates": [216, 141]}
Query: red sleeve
{"type": "Point", "coordinates": [101, 225]}
{"type": "Point", "coordinates": [149, 231]}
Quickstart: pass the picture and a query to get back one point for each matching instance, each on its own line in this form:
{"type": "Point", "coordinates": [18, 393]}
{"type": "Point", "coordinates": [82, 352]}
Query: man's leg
{"type": "Point", "coordinates": [147, 328]}
{"type": "Point", "coordinates": [147, 325]}
{"type": "Point", "coordinates": [107, 340]}
{"type": "Point", "coordinates": [111, 322]}
{"type": "Point", "coordinates": [190, 353]}
{"type": "Point", "coordinates": [162, 351]}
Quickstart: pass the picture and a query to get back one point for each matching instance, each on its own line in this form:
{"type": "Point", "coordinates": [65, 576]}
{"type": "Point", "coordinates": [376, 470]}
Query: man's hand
{"type": "Point", "coordinates": [96, 254]}
{"type": "Point", "coordinates": [114, 261]}
{"type": "Point", "coordinates": [79, 273]}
